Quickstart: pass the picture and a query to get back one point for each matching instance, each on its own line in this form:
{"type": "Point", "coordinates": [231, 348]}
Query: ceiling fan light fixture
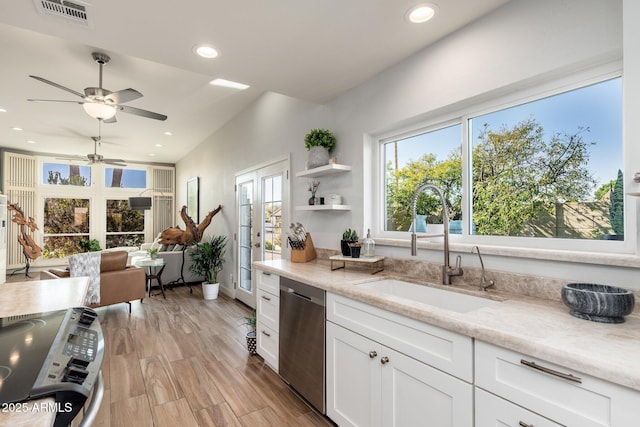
{"type": "Point", "coordinates": [99, 111]}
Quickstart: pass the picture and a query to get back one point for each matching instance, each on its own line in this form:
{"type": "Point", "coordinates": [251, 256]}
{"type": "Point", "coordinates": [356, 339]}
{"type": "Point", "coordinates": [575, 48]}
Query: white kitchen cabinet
{"type": "Point", "coordinates": [369, 383]}
{"type": "Point", "coordinates": [268, 317]}
{"type": "Point", "coordinates": [557, 393]}
{"type": "Point", "coordinates": [492, 410]}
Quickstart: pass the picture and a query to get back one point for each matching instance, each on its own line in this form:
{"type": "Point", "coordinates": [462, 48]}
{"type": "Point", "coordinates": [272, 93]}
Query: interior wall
{"type": "Point", "coordinates": [509, 49]}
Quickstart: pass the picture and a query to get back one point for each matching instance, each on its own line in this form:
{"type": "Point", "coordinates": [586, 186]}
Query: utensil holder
{"type": "Point", "coordinates": [304, 255]}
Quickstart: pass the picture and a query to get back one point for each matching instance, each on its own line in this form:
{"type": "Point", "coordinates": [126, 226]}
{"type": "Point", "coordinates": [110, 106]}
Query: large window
{"type": "Point", "coordinates": [548, 168]}
{"type": "Point", "coordinates": [66, 174]}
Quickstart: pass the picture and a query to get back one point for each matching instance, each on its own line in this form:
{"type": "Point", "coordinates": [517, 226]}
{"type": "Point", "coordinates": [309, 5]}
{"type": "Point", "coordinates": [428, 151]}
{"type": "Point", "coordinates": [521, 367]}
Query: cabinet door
{"type": "Point", "coordinates": [353, 378]}
{"type": "Point", "coordinates": [492, 410]}
{"type": "Point", "coordinates": [268, 309]}
{"type": "Point", "coordinates": [267, 341]}
{"type": "Point", "coordinates": [415, 394]}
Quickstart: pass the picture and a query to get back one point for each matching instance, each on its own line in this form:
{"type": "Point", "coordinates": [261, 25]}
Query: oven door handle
{"type": "Point", "coordinates": [96, 400]}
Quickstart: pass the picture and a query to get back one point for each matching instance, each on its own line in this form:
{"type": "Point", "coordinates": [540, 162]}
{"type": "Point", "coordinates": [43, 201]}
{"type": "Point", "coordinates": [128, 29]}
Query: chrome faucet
{"type": "Point", "coordinates": [484, 284]}
{"type": "Point", "coordinates": [447, 270]}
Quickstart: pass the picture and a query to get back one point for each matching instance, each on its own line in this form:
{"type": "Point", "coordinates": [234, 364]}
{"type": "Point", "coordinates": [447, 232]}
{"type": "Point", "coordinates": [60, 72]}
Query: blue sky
{"type": "Point", "coordinates": [598, 107]}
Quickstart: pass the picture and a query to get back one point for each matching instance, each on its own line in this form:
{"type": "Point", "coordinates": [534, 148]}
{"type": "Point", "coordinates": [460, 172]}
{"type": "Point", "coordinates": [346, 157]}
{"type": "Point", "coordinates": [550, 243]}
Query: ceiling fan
{"type": "Point", "coordinates": [94, 158]}
{"type": "Point", "coordinates": [100, 103]}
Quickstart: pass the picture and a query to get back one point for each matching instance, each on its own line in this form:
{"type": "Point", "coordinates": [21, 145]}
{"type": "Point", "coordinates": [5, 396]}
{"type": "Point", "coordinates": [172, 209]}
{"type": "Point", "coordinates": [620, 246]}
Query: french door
{"type": "Point", "coordinates": [262, 207]}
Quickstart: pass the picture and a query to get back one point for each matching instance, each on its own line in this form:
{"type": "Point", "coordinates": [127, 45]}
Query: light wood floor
{"type": "Point", "coordinates": [183, 362]}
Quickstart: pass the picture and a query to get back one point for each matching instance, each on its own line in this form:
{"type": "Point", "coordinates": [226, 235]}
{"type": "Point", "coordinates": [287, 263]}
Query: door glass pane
{"type": "Point", "coordinates": [272, 214]}
{"type": "Point", "coordinates": [245, 204]}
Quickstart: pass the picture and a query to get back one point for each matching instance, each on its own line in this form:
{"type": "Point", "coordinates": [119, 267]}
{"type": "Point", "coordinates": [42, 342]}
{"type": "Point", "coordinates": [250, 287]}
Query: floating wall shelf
{"type": "Point", "coordinates": [324, 208]}
{"type": "Point", "coordinates": [329, 169]}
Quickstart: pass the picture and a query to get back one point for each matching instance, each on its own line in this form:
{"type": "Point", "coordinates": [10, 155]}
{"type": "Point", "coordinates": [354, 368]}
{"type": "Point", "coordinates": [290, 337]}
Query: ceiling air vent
{"type": "Point", "coordinates": [75, 11]}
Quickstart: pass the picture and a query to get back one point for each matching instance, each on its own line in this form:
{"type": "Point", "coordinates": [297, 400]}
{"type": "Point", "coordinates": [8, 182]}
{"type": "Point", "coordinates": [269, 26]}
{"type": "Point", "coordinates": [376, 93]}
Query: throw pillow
{"type": "Point", "coordinates": [177, 248]}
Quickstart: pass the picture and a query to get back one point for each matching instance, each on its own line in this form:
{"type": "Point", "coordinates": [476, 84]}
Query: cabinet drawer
{"type": "Point", "coordinates": [267, 345]}
{"type": "Point", "coordinates": [492, 410]}
{"type": "Point", "coordinates": [268, 309]}
{"type": "Point", "coordinates": [448, 351]}
{"type": "Point", "coordinates": [555, 392]}
{"type": "Point", "coordinates": [268, 282]}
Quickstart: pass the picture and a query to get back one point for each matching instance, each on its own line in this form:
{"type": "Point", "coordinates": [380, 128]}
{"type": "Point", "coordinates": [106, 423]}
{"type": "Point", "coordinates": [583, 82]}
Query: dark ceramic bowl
{"type": "Point", "coordinates": [599, 303]}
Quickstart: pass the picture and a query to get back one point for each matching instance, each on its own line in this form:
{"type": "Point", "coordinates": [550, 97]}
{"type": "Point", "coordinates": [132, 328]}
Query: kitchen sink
{"type": "Point", "coordinates": [448, 300]}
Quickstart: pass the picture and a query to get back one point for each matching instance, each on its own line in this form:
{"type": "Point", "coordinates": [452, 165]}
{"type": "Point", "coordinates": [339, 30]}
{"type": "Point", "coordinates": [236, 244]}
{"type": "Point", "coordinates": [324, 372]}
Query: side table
{"type": "Point", "coordinates": [153, 271]}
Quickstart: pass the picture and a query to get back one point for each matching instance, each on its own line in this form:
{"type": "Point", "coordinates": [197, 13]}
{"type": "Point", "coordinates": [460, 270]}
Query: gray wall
{"type": "Point", "coordinates": [514, 47]}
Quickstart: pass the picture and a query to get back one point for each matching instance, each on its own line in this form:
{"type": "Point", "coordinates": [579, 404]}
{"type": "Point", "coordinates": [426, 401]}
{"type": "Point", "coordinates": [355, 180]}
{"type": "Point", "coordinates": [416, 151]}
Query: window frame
{"type": "Point", "coordinates": [460, 113]}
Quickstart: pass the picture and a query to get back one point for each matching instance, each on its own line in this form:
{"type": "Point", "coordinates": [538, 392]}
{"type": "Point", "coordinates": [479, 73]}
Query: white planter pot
{"type": "Point", "coordinates": [210, 290]}
{"type": "Point", "coordinates": [318, 156]}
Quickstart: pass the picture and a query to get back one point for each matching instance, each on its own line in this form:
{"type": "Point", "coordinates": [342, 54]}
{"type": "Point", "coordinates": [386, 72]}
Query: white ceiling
{"type": "Point", "coordinates": [312, 50]}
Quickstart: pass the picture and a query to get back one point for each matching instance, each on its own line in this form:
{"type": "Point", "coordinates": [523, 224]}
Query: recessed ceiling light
{"type": "Point", "coordinates": [17, 128]}
{"type": "Point", "coordinates": [152, 154]}
{"type": "Point", "coordinates": [168, 133]}
{"type": "Point", "coordinates": [31, 142]}
{"type": "Point", "coordinates": [228, 83]}
{"type": "Point", "coordinates": [206, 51]}
{"type": "Point", "coordinates": [2, 110]}
{"type": "Point", "coordinates": [158, 145]}
{"type": "Point", "coordinates": [421, 13]}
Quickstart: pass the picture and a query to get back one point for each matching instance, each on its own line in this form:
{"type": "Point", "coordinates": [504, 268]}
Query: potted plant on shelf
{"type": "Point", "coordinates": [349, 236]}
{"type": "Point", "coordinates": [250, 323]}
{"type": "Point", "coordinates": [207, 260]}
{"type": "Point", "coordinates": [319, 143]}
{"type": "Point", "coordinates": [355, 248]}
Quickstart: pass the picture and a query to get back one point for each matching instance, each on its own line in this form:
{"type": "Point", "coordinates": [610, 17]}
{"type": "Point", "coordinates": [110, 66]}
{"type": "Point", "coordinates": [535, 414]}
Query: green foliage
{"type": "Point", "coordinates": [55, 178]}
{"type": "Point", "coordinates": [250, 321]}
{"type": "Point", "coordinates": [350, 235]}
{"type": "Point", "coordinates": [320, 137]}
{"type": "Point", "coordinates": [616, 208]}
{"type": "Point", "coordinates": [92, 245]}
{"type": "Point", "coordinates": [518, 176]}
{"type": "Point", "coordinates": [604, 189]}
{"type": "Point", "coordinates": [207, 258]}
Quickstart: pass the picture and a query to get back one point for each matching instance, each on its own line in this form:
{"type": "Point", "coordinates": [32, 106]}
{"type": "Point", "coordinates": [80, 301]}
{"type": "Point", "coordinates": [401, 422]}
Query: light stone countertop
{"type": "Point", "coordinates": [38, 296]}
{"type": "Point", "coordinates": [537, 327]}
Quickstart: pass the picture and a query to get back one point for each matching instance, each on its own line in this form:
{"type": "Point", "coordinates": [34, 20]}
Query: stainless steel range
{"type": "Point", "coordinates": [56, 354]}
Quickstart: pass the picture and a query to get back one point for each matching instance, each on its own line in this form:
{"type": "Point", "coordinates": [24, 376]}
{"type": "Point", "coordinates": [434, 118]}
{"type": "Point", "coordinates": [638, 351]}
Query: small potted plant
{"type": "Point", "coordinates": [355, 248]}
{"type": "Point", "coordinates": [349, 236]}
{"type": "Point", "coordinates": [153, 252]}
{"type": "Point", "coordinates": [250, 323]}
{"type": "Point", "coordinates": [319, 143]}
{"type": "Point", "coordinates": [207, 260]}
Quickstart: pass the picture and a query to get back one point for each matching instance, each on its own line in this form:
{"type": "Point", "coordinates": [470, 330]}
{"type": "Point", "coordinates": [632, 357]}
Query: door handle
{"type": "Point", "coordinates": [257, 245]}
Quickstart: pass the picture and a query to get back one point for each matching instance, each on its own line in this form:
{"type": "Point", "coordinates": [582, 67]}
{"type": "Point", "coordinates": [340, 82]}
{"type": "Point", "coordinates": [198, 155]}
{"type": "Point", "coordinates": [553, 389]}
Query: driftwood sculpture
{"type": "Point", "coordinates": [192, 234]}
{"type": "Point", "coordinates": [29, 248]}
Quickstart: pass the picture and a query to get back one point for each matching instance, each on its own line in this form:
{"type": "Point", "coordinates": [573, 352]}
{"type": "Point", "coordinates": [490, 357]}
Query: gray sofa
{"type": "Point", "coordinates": [173, 264]}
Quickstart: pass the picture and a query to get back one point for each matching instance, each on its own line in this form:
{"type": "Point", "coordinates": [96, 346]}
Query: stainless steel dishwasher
{"type": "Point", "coordinates": [302, 326]}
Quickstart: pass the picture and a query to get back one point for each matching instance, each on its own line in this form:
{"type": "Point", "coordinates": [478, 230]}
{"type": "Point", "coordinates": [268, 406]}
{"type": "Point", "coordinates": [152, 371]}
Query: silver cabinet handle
{"type": "Point", "coordinates": [562, 375]}
{"type": "Point", "coordinates": [373, 354]}
{"type": "Point", "coordinates": [384, 360]}
{"type": "Point", "coordinates": [523, 424]}
{"type": "Point", "coordinates": [266, 298]}
{"type": "Point", "coordinates": [266, 274]}
{"type": "Point", "coordinates": [266, 333]}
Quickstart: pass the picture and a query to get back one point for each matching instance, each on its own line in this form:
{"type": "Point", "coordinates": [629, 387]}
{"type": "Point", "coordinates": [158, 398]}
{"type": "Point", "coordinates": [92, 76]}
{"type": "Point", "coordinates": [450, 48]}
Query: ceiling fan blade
{"type": "Point", "coordinates": [49, 82]}
{"type": "Point", "coordinates": [122, 96]}
{"type": "Point", "coordinates": [140, 112]}
{"type": "Point", "coordinates": [54, 100]}
{"type": "Point", "coordinates": [72, 158]}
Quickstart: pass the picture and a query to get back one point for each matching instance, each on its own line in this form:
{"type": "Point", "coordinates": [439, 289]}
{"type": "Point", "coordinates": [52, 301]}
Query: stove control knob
{"type": "Point", "coordinates": [87, 316]}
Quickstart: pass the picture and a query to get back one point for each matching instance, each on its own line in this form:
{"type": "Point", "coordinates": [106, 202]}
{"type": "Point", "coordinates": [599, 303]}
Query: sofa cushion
{"type": "Point", "coordinates": [113, 260]}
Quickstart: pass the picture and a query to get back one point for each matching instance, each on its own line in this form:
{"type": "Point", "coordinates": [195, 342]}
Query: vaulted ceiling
{"type": "Point", "coordinates": [311, 50]}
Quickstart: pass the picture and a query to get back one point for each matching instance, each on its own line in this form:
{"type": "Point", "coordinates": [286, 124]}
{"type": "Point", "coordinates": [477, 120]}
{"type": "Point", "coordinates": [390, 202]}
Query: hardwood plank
{"type": "Point", "coordinates": [196, 385]}
{"type": "Point", "coordinates": [132, 411]}
{"type": "Point", "coordinates": [159, 380]}
{"type": "Point", "coordinates": [126, 377]}
{"type": "Point", "coordinates": [217, 416]}
{"type": "Point", "coordinates": [172, 414]}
